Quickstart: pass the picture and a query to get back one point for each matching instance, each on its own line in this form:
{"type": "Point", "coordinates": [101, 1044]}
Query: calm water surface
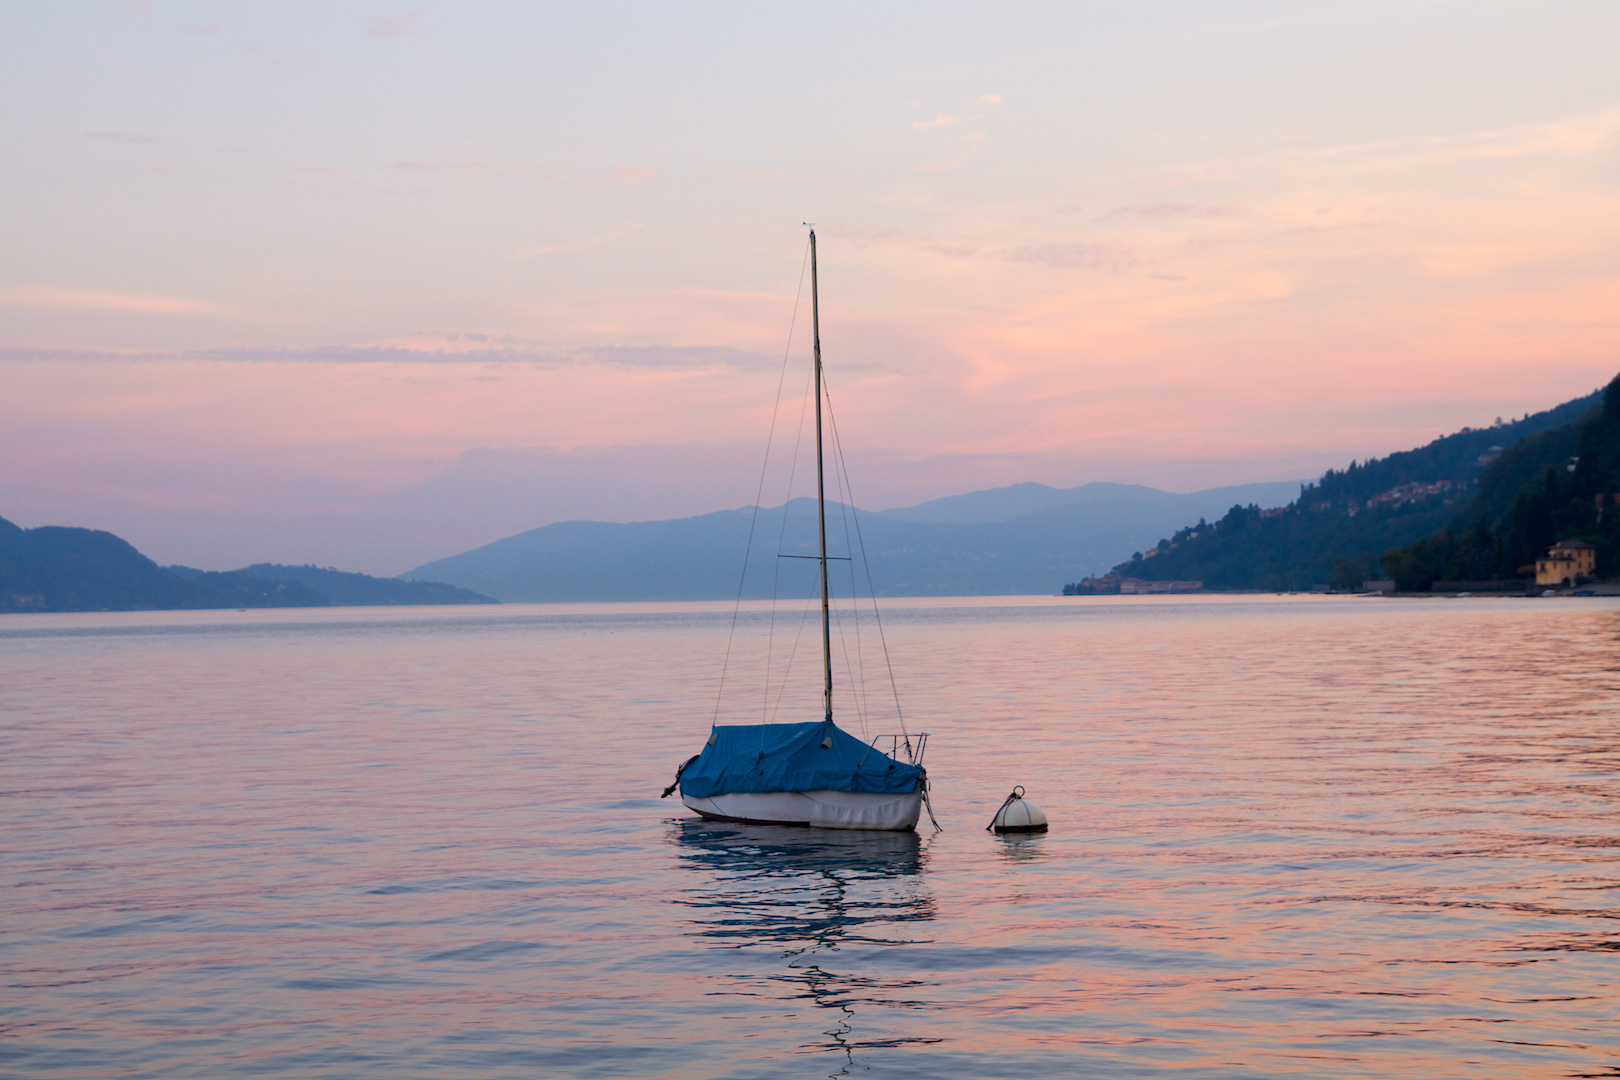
{"type": "Point", "coordinates": [1291, 837]}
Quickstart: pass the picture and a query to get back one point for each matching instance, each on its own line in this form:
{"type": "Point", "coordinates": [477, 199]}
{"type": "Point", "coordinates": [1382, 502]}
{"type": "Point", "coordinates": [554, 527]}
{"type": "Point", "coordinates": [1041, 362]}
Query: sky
{"type": "Point", "coordinates": [369, 284]}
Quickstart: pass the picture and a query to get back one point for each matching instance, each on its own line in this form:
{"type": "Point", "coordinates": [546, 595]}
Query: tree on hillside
{"type": "Point", "coordinates": [1561, 495]}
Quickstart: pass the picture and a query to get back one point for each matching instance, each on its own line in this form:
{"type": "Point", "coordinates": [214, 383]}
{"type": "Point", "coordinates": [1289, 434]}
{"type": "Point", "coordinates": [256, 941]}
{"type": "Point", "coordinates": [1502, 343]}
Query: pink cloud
{"type": "Point", "coordinates": [1176, 210]}
{"type": "Point", "coordinates": [1300, 308]}
{"type": "Point", "coordinates": [632, 174]}
{"type": "Point", "coordinates": [1095, 256]}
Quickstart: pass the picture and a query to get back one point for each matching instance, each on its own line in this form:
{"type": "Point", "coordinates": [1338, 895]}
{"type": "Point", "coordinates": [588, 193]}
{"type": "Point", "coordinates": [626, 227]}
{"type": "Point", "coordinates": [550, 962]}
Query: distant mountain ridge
{"type": "Point", "coordinates": [57, 568]}
{"type": "Point", "coordinates": [1029, 499]}
{"type": "Point", "coordinates": [1004, 541]}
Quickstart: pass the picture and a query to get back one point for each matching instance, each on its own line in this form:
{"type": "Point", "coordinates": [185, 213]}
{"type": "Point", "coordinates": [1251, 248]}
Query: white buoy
{"type": "Point", "coordinates": [1018, 814]}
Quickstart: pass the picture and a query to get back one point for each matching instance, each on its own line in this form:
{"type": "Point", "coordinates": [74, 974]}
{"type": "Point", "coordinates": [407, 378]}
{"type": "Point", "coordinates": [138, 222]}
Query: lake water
{"type": "Point", "coordinates": [1290, 837]}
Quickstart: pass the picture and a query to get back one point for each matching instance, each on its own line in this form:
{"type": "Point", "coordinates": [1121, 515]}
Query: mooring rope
{"type": "Point", "coordinates": [1017, 793]}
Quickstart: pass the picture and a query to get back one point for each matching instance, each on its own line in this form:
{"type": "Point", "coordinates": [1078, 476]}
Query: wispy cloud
{"type": "Point", "coordinates": [121, 137]}
{"type": "Point", "coordinates": [560, 247]}
{"type": "Point", "coordinates": [1092, 256]}
{"type": "Point", "coordinates": [394, 27]}
{"type": "Point", "coordinates": [632, 174]}
{"type": "Point", "coordinates": [1575, 137]}
{"type": "Point", "coordinates": [1110, 256]}
{"type": "Point", "coordinates": [946, 119]}
{"type": "Point", "coordinates": [448, 348]}
{"type": "Point", "coordinates": [452, 167]}
{"type": "Point", "coordinates": [968, 141]}
{"type": "Point", "coordinates": [79, 300]}
{"type": "Point", "coordinates": [915, 241]}
{"type": "Point", "coordinates": [437, 165]}
{"type": "Point", "coordinates": [1176, 210]}
{"type": "Point", "coordinates": [683, 358]}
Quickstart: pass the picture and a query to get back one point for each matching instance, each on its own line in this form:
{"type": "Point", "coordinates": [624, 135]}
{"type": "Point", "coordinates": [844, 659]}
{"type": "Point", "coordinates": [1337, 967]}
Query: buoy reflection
{"type": "Point", "coordinates": [1022, 847]}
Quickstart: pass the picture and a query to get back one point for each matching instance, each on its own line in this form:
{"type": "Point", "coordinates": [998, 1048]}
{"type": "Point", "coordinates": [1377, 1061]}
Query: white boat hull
{"type": "Point", "coordinates": [817, 809]}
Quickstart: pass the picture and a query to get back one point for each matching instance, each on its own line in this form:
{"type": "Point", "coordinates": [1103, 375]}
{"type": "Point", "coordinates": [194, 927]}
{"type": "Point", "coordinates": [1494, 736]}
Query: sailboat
{"type": "Point", "coordinates": [807, 774]}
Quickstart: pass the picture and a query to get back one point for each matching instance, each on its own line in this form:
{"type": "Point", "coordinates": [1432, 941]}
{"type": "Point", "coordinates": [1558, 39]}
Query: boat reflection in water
{"type": "Point", "coordinates": [809, 913]}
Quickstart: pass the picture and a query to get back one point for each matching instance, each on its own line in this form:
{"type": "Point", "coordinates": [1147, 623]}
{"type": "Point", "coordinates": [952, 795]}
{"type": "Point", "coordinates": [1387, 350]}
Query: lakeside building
{"type": "Point", "coordinates": [1565, 561]}
{"type": "Point", "coordinates": [1114, 582]}
{"type": "Point", "coordinates": [1137, 585]}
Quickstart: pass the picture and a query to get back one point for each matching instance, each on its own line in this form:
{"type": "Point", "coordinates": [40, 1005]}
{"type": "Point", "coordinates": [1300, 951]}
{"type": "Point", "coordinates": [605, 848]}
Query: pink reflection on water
{"type": "Point", "coordinates": [1291, 837]}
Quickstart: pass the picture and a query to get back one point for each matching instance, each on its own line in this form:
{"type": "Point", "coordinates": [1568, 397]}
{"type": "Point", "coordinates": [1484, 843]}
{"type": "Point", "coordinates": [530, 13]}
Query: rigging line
{"type": "Point", "coordinates": [877, 619]}
{"type": "Point", "coordinates": [836, 615]}
{"type": "Point", "coordinates": [846, 509]}
{"type": "Point", "coordinates": [776, 575]}
{"type": "Point", "coordinates": [760, 491]}
{"type": "Point", "coordinates": [857, 670]}
{"type": "Point", "coordinates": [857, 691]}
{"type": "Point", "coordinates": [804, 617]}
{"type": "Point", "coordinates": [877, 615]}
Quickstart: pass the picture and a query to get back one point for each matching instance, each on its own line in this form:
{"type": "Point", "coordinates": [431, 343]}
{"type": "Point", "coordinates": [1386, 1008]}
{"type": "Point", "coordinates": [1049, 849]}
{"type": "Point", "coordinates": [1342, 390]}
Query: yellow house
{"type": "Point", "coordinates": [1564, 560]}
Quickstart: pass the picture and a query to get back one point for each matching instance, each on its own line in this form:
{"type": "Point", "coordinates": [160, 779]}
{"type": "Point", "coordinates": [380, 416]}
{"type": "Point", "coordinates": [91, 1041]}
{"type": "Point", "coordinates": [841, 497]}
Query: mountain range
{"type": "Point", "coordinates": [1004, 541]}
{"type": "Point", "coordinates": [1489, 497]}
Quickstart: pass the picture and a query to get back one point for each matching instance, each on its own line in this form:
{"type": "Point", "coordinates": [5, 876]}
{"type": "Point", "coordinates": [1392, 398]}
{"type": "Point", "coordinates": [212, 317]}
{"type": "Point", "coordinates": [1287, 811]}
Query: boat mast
{"type": "Point", "coordinates": [821, 485]}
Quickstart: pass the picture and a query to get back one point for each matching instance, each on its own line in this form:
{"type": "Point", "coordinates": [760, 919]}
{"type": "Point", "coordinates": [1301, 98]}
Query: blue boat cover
{"type": "Point", "coordinates": [791, 757]}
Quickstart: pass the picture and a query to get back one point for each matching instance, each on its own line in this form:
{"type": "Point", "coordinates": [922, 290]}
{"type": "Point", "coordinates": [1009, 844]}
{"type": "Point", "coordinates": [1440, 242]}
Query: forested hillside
{"type": "Point", "coordinates": [345, 589]}
{"type": "Point", "coordinates": [1337, 530]}
{"type": "Point", "coordinates": [1560, 485]}
{"type": "Point", "coordinates": [54, 568]}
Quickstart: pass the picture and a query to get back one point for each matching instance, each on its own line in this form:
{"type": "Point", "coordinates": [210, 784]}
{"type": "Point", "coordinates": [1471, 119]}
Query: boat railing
{"type": "Point", "coordinates": [914, 745]}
